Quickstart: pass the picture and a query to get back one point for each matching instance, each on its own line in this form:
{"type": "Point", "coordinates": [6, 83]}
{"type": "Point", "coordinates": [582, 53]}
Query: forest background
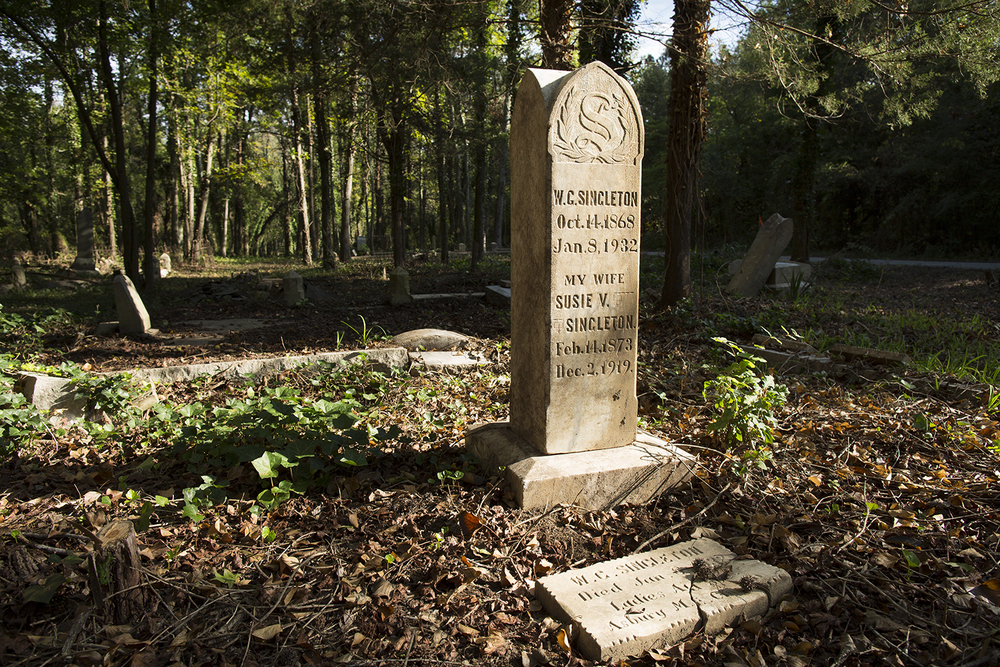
{"type": "Point", "coordinates": [293, 128]}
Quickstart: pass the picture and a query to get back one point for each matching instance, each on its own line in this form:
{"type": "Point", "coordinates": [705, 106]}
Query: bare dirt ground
{"type": "Point", "coordinates": [880, 497]}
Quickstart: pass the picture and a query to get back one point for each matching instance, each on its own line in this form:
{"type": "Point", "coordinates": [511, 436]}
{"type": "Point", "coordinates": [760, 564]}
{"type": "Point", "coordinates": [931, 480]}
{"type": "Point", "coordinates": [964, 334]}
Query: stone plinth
{"type": "Point", "coordinates": [576, 150]}
{"type": "Point", "coordinates": [785, 273]}
{"type": "Point", "coordinates": [497, 295]}
{"type": "Point", "coordinates": [626, 606]}
{"type": "Point", "coordinates": [597, 479]}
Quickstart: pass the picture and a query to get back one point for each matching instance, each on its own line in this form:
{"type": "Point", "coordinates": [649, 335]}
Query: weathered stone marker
{"type": "Point", "coordinates": [294, 289]}
{"type": "Point", "coordinates": [576, 155]}
{"type": "Point", "coordinates": [85, 242]}
{"type": "Point", "coordinates": [577, 141]}
{"type": "Point", "coordinates": [133, 319]}
{"type": "Point", "coordinates": [626, 606]}
{"type": "Point", "coordinates": [771, 240]}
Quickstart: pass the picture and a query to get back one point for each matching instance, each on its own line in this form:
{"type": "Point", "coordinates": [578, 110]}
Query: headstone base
{"type": "Point", "coordinates": [84, 264]}
{"type": "Point", "coordinates": [597, 479]}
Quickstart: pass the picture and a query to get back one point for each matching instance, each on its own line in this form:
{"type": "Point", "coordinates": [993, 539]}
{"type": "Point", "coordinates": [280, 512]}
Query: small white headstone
{"type": "Point", "coordinates": [165, 265]}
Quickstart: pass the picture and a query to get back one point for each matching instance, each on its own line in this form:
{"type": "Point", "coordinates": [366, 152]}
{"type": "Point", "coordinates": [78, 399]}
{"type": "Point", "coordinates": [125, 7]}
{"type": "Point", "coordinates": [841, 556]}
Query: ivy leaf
{"type": "Point", "coordinates": [269, 464]}
{"type": "Point", "coordinates": [44, 593]}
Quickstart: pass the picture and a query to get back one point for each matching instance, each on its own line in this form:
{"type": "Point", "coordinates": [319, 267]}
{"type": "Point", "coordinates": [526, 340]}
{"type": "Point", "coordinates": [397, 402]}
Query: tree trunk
{"type": "Point", "coordinates": [111, 214]}
{"type": "Point", "coordinates": [325, 163]}
{"type": "Point", "coordinates": [204, 199]}
{"type": "Point", "coordinates": [804, 177]}
{"type": "Point", "coordinates": [287, 190]}
{"type": "Point", "coordinates": [116, 574]}
{"type": "Point", "coordinates": [174, 182]}
{"type": "Point", "coordinates": [555, 22]}
{"type": "Point", "coordinates": [121, 178]}
{"type": "Point", "coordinates": [347, 182]}
{"type": "Point", "coordinates": [379, 204]}
{"type": "Point", "coordinates": [309, 163]}
{"type": "Point", "coordinates": [151, 265]}
{"type": "Point", "coordinates": [239, 215]}
{"type": "Point", "coordinates": [442, 184]}
{"type": "Point", "coordinates": [393, 137]}
{"type": "Point", "coordinates": [303, 185]}
{"type": "Point", "coordinates": [687, 114]}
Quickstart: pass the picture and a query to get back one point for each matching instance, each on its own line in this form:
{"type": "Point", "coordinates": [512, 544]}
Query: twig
{"type": "Point", "coordinates": [413, 640]}
{"type": "Point", "coordinates": [44, 536]}
{"type": "Point", "coordinates": [49, 550]}
{"type": "Point", "coordinates": [74, 631]}
{"type": "Point", "coordinates": [685, 521]}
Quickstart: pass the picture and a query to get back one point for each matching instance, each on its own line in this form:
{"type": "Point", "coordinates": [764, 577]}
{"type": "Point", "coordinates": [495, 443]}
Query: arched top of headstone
{"type": "Point", "coordinates": [596, 119]}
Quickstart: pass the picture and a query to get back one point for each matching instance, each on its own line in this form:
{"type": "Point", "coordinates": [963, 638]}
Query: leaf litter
{"type": "Point", "coordinates": [879, 499]}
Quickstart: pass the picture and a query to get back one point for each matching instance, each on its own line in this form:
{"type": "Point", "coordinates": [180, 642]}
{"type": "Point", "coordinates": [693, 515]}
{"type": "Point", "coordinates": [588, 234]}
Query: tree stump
{"type": "Point", "coordinates": [115, 574]}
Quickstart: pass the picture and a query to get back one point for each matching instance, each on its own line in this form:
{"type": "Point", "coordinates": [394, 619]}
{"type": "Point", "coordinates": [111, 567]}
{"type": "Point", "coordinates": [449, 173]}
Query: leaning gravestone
{"type": "Point", "coordinates": [132, 315]}
{"type": "Point", "coordinates": [85, 242]}
{"type": "Point", "coordinates": [771, 240]}
{"type": "Point", "coordinates": [576, 151]}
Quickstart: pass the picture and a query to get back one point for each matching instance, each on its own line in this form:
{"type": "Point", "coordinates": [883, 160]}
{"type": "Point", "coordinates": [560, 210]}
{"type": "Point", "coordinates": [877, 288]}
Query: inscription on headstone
{"type": "Point", "coordinates": [577, 142]}
{"type": "Point", "coordinates": [623, 607]}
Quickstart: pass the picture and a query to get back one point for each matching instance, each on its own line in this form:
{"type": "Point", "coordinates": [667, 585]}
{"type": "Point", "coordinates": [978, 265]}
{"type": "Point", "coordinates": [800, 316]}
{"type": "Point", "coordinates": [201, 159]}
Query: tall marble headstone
{"type": "Point", "coordinates": [85, 241]}
{"type": "Point", "coordinates": [576, 151]}
{"type": "Point", "coordinates": [576, 163]}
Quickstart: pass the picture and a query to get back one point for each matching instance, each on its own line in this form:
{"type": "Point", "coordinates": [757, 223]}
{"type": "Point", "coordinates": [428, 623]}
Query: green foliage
{"type": "Point", "coordinates": [291, 442]}
{"type": "Point", "coordinates": [744, 400]}
{"type": "Point", "coordinates": [365, 333]}
{"type": "Point", "coordinates": [113, 395]}
{"type": "Point", "coordinates": [20, 421]}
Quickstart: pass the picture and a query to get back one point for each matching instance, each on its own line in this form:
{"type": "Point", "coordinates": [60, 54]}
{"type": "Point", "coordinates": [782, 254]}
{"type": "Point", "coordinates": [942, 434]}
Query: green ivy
{"type": "Point", "coordinates": [744, 400]}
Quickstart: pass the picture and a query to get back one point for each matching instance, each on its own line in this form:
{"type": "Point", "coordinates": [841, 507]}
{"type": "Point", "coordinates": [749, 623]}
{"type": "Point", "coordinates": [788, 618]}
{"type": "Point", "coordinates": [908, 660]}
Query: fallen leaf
{"type": "Point", "coordinates": [382, 588]}
{"type": "Point", "coordinates": [268, 633]}
{"type": "Point", "coordinates": [466, 630]}
{"type": "Point", "coordinates": [990, 590]}
{"type": "Point", "coordinates": [562, 637]}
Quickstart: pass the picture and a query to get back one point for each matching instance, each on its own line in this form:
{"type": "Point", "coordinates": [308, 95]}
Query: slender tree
{"type": "Point", "coordinates": [687, 113]}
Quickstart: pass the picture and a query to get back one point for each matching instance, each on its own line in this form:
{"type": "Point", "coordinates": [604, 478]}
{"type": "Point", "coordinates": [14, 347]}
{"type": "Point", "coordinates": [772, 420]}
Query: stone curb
{"type": "Point", "coordinates": [396, 357]}
{"type": "Point", "coordinates": [56, 395]}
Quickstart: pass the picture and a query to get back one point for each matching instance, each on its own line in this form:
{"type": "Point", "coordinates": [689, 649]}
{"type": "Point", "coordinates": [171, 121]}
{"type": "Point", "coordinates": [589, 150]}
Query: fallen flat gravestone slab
{"type": "Point", "coordinates": [850, 353]}
{"type": "Point", "coordinates": [498, 295]}
{"type": "Point", "coordinates": [626, 606]}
